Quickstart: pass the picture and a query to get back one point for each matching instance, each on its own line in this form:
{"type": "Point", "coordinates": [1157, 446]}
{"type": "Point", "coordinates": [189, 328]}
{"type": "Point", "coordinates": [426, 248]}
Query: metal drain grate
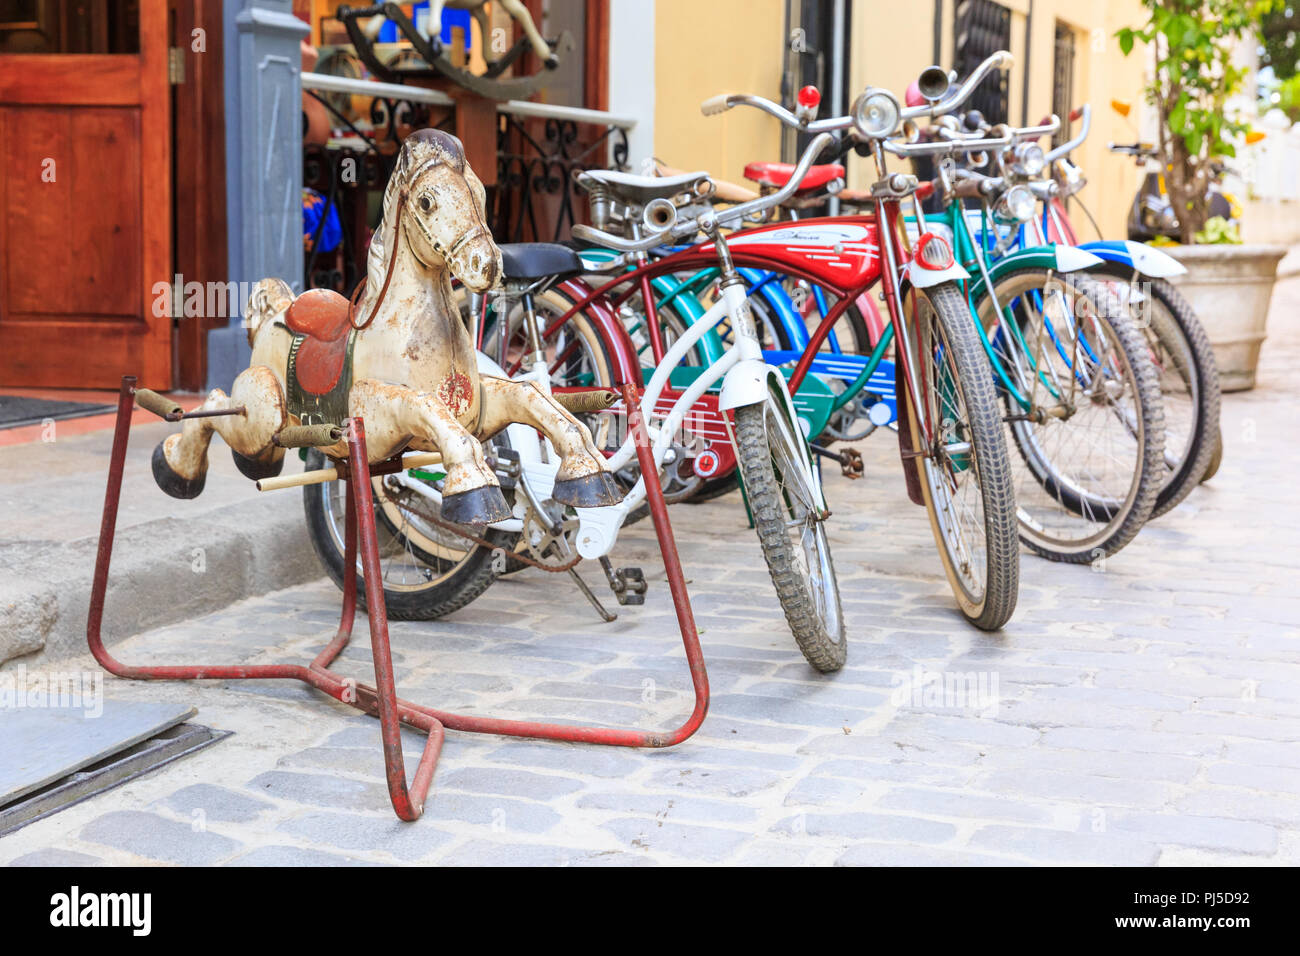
{"type": "Point", "coordinates": [136, 761]}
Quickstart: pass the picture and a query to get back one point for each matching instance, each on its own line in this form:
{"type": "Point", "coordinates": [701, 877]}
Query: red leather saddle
{"type": "Point", "coordinates": [777, 175]}
{"type": "Point", "coordinates": [322, 316]}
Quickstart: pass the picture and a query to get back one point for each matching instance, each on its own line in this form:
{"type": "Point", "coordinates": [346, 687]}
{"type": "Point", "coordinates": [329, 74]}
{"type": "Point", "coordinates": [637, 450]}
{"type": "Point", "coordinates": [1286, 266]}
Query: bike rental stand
{"type": "Point", "coordinates": [381, 700]}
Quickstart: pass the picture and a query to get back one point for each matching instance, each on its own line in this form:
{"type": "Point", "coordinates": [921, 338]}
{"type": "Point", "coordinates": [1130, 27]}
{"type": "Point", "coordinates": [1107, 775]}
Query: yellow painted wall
{"type": "Point", "coordinates": [893, 58]}
{"type": "Point", "coordinates": [703, 48]}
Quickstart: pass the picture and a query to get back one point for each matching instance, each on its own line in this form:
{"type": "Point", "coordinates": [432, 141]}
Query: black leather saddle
{"type": "Point", "coordinates": [539, 260]}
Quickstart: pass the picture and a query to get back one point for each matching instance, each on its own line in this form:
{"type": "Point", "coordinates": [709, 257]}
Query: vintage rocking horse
{"type": "Point", "coordinates": [399, 357]}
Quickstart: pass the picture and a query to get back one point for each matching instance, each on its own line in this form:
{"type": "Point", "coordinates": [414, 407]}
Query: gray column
{"type": "Point", "coordinates": [263, 161]}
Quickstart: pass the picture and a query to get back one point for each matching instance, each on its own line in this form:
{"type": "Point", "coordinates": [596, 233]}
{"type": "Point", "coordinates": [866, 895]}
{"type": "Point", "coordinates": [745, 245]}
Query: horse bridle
{"type": "Point", "coordinates": [398, 227]}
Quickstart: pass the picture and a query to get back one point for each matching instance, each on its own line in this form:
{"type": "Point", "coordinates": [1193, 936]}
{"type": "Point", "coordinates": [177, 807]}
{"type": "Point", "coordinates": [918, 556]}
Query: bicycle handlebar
{"type": "Point", "coordinates": [1085, 114]}
{"type": "Point", "coordinates": [689, 227]}
{"type": "Point", "coordinates": [725, 101]}
{"type": "Point", "coordinates": [1000, 60]}
{"type": "Point", "coordinates": [949, 146]}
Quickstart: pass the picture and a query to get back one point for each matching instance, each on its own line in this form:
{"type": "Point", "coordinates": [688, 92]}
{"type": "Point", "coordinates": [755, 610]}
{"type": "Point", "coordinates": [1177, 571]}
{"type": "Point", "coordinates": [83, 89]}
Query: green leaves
{"type": "Point", "coordinates": [1218, 231]}
{"type": "Point", "coordinates": [1194, 78]}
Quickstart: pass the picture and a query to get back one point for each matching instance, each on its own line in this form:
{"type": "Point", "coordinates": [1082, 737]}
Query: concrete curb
{"type": "Point", "coordinates": [163, 572]}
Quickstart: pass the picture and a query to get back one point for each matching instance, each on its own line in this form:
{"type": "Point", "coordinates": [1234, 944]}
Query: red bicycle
{"type": "Point", "coordinates": [951, 443]}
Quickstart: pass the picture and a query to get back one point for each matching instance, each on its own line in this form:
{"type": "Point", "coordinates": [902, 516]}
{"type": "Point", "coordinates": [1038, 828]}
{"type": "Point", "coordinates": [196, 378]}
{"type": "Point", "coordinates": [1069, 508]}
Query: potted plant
{"type": "Point", "coordinates": [1193, 78]}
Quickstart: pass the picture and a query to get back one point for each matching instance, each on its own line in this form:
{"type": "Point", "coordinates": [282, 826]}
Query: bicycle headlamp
{"type": "Point", "coordinates": [1017, 204]}
{"type": "Point", "coordinates": [876, 113]}
{"type": "Point", "coordinates": [1029, 159]}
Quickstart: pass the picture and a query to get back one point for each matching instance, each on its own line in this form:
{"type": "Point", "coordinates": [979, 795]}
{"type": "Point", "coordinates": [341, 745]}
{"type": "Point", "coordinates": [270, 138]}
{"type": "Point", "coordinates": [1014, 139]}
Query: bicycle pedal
{"type": "Point", "coordinates": [628, 584]}
{"type": "Point", "coordinates": [851, 463]}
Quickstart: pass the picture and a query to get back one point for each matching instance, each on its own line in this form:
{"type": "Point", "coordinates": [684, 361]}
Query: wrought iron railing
{"type": "Point", "coordinates": [539, 148]}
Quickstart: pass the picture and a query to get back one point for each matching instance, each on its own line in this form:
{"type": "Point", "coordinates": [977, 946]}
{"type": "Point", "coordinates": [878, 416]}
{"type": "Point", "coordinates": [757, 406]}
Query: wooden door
{"type": "Point", "coordinates": [85, 195]}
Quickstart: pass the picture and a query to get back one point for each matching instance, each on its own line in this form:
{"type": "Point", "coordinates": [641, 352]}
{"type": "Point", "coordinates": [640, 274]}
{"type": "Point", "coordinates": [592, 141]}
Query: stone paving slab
{"type": "Point", "coordinates": [1144, 713]}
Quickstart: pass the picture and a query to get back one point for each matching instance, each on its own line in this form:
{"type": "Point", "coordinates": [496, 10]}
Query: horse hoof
{"type": "Point", "coordinates": [478, 506]}
{"type": "Point", "coordinates": [255, 468]}
{"type": "Point", "coordinates": [172, 483]}
{"type": "Point", "coordinates": [590, 491]}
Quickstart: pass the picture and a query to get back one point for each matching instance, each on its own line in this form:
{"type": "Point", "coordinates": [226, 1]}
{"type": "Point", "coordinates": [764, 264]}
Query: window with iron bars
{"type": "Point", "coordinates": [981, 28]}
{"type": "Point", "coordinates": [1063, 81]}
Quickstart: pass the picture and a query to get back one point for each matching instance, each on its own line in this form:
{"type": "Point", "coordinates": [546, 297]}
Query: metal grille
{"type": "Point", "coordinates": [983, 27]}
{"type": "Point", "coordinates": [1063, 81]}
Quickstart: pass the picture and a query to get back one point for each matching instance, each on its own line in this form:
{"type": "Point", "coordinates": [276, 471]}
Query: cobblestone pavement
{"type": "Point", "coordinates": [1144, 712]}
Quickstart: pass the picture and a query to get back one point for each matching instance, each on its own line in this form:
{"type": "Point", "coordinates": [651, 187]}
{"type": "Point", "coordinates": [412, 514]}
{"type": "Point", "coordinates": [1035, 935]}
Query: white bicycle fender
{"type": "Point", "coordinates": [923, 278]}
{"type": "Point", "coordinates": [1072, 259]}
{"type": "Point", "coordinates": [749, 382]}
{"type": "Point", "coordinates": [1152, 262]}
{"type": "Point", "coordinates": [745, 384]}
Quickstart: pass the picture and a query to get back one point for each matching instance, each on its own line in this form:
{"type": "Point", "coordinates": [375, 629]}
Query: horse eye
{"type": "Point", "coordinates": [426, 204]}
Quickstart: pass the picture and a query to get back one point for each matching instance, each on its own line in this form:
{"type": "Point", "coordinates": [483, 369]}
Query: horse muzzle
{"type": "Point", "coordinates": [476, 261]}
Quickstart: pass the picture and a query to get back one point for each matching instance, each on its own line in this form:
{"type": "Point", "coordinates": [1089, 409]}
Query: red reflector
{"type": "Point", "coordinates": [706, 464]}
{"type": "Point", "coordinates": [933, 252]}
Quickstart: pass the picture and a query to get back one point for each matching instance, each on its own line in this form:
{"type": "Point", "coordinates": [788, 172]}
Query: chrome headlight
{"type": "Point", "coordinates": [875, 114]}
{"type": "Point", "coordinates": [1017, 203]}
{"type": "Point", "coordinates": [1030, 159]}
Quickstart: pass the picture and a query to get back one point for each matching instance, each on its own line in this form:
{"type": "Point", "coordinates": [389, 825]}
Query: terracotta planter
{"type": "Point", "coordinates": [1230, 288]}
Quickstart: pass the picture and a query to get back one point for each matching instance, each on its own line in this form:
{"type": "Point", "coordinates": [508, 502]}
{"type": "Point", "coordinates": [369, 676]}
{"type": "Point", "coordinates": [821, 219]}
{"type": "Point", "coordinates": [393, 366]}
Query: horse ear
{"type": "Point", "coordinates": [480, 193]}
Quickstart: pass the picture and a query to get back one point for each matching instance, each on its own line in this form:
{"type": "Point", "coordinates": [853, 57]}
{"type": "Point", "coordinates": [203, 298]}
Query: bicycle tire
{"type": "Point", "coordinates": [1123, 518]}
{"type": "Point", "coordinates": [824, 647]}
{"type": "Point", "coordinates": [452, 591]}
{"type": "Point", "coordinates": [990, 609]}
{"type": "Point", "coordinates": [1180, 331]}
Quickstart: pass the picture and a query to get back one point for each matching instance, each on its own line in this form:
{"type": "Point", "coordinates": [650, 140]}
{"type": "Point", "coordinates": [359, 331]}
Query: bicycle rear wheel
{"type": "Point", "coordinates": [964, 472]}
{"type": "Point", "coordinates": [791, 531]}
{"type": "Point", "coordinates": [428, 570]}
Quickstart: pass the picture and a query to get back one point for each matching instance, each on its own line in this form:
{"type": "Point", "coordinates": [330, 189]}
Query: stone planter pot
{"type": "Point", "coordinates": [1230, 288]}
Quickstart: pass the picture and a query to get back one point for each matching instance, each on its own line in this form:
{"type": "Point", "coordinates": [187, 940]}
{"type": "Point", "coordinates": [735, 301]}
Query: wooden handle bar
{"type": "Point", "coordinates": [331, 474]}
{"type": "Point", "coordinates": [581, 403]}
{"type": "Point", "coordinates": [151, 401]}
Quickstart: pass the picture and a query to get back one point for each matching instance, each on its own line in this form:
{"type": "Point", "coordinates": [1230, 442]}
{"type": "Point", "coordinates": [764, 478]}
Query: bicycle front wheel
{"type": "Point", "coordinates": [791, 531]}
{"type": "Point", "coordinates": [1188, 376]}
{"type": "Point", "coordinates": [1085, 416]}
{"type": "Point", "coordinates": [964, 469]}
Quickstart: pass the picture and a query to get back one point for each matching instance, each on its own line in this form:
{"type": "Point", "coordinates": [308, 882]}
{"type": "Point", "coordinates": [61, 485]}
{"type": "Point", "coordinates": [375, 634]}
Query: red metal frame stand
{"type": "Point", "coordinates": [381, 700]}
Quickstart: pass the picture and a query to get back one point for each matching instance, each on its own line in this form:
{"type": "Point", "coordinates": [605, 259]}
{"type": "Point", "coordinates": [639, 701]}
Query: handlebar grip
{"type": "Point", "coordinates": [1076, 114]}
{"type": "Point", "coordinates": [715, 104]}
{"type": "Point", "coordinates": [925, 190]}
{"type": "Point", "coordinates": [967, 188]}
{"type": "Point", "coordinates": [308, 436]}
{"type": "Point", "coordinates": [151, 401]}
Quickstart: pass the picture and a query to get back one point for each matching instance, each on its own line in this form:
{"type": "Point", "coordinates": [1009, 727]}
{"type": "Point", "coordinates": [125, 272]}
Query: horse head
{"type": "Point", "coordinates": [444, 212]}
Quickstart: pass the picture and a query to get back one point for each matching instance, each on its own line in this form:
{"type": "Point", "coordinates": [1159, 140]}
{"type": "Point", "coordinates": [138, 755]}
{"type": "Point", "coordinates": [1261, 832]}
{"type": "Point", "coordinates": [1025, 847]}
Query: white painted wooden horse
{"type": "Point", "coordinates": [401, 357]}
